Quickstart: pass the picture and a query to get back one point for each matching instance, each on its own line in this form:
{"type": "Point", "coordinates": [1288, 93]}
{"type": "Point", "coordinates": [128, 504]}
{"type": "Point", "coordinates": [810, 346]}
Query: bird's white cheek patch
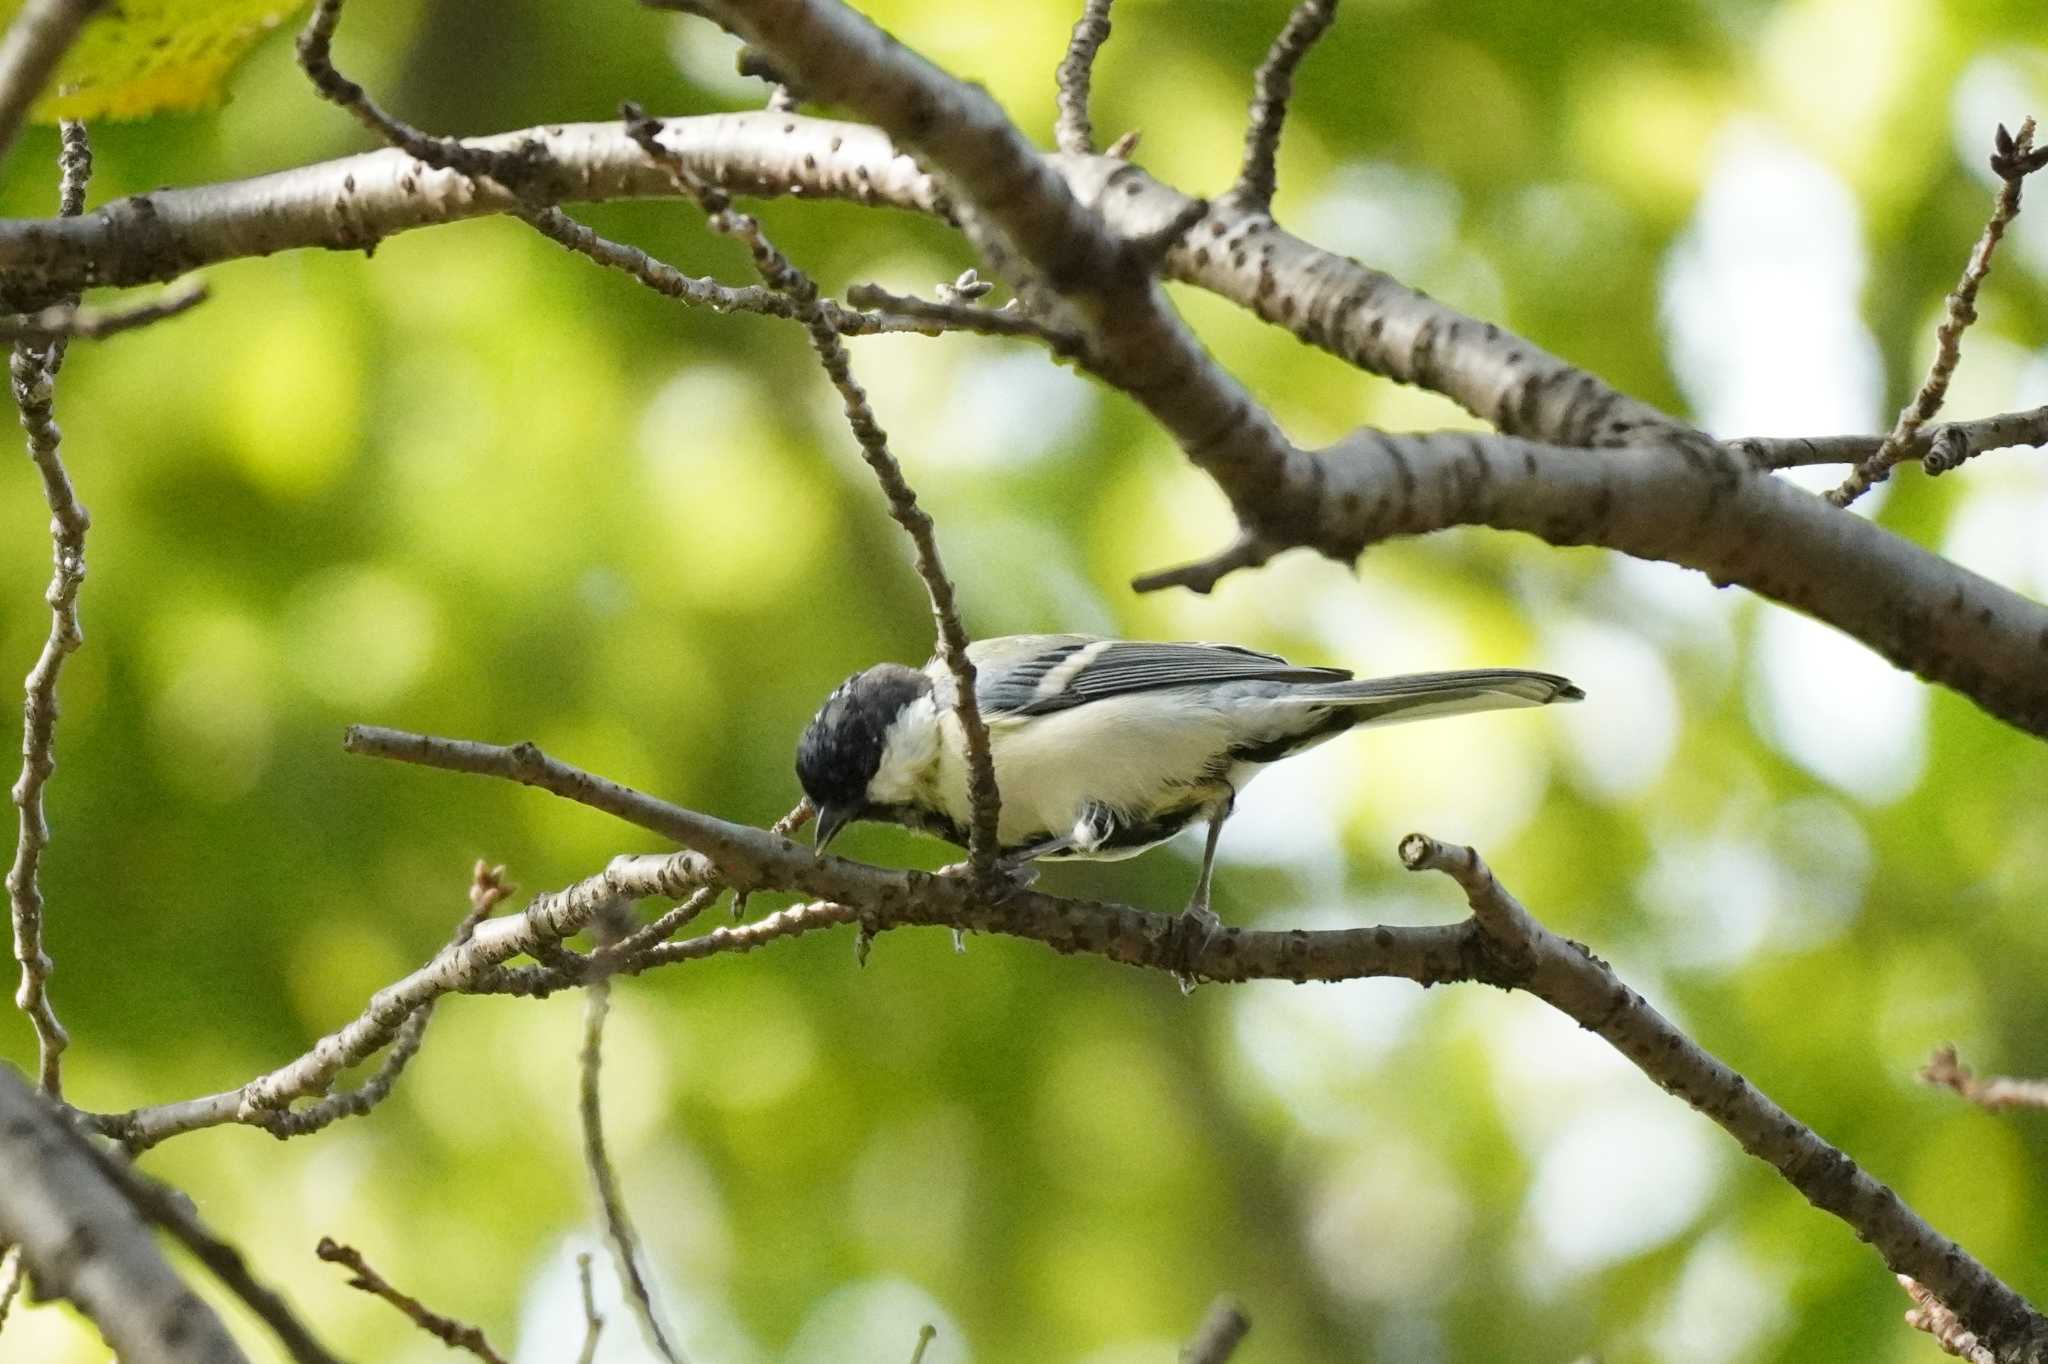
{"type": "Point", "coordinates": [910, 752]}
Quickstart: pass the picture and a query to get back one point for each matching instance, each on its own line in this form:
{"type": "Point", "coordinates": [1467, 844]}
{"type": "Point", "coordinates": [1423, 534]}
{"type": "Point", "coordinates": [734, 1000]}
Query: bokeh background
{"type": "Point", "coordinates": [476, 485]}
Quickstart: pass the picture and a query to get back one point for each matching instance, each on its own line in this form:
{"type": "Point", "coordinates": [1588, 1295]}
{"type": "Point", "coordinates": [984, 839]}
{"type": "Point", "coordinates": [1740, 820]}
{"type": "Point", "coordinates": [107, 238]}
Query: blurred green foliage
{"type": "Point", "coordinates": [473, 485]}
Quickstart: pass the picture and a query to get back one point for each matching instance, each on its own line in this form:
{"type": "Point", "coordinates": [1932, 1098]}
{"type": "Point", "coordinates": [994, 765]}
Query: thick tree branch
{"type": "Point", "coordinates": [84, 1240]}
{"type": "Point", "coordinates": [2014, 160]}
{"type": "Point", "coordinates": [1571, 979]}
{"type": "Point", "coordinates": [1709, 510]}
{"type": "Point", "coordinates": [1072, 131]}
{"type": "Point", "coordinates": [1272, 87]}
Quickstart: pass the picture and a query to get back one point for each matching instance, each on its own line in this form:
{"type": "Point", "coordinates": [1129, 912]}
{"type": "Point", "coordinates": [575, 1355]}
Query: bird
{"type": "Point", "coordinates": [1104, 748]}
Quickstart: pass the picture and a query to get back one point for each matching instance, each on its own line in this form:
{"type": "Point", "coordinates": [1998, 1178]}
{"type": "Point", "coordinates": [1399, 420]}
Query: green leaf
{"type": "Point", "coordinates": [144, 57]}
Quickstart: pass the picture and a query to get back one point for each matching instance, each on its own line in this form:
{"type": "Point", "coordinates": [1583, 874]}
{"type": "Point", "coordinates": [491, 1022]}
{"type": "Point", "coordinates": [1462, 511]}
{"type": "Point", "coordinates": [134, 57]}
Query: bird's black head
{"type": "Point", "coordinates": [842, 748]}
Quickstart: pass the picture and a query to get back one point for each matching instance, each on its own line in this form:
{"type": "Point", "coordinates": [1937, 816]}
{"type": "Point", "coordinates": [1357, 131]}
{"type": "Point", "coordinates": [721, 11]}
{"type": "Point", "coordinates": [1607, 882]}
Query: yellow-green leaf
{"type": "Point", "coordinates": [143, 57]}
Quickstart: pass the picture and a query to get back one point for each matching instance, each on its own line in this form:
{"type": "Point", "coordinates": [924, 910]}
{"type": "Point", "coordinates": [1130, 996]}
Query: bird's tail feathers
{"type": "Point", "coordinates": [1424, 696]}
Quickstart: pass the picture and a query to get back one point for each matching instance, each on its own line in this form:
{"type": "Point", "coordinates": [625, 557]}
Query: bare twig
{"type": "Point", "coordinates": [964, 317]}
{"type": "Point", "coordinates": [2014, 160]}
{"type": "Point", "coordinates": [487, 890]}
{"type": "Point", "coordinates": [1993, 1092]}
{"type": "Point", "coordinates": [619, 1234]}
{"type": "Point", "coordinates": [1247, 551]}
{"type": "Point", "coordinates": [454, 1334]}
{"type": "Point", "coordinates": [926, 1334]}
{"type": "Point", "coordinates": [11, 1275]}
{"type": "Point", "coordinates": [784, 277]}
{"type": "Point", "coordinates": [70, 320]}
{"type": "Point", "coordinates": [1939, 448]}
{"type": "Point", "coordinates": [593, 1323]}
{"type": "Point", "coordinates": [1072, 131]}
{"type": "Point", "coordinates": [173, 1212]}
{"type": "Point", "coordinates": [33, 369]}
{"type": "Point", "coordinates": [1929, 1315]}
{"type": "Point", "coordinates": [1272, 87]}
{"type": "Point", "coordinates": [1222, 1330]}
{"type": "Point", "coordinates": [665, 279]}
{"type": "Point", "coordinates": [42, 32]}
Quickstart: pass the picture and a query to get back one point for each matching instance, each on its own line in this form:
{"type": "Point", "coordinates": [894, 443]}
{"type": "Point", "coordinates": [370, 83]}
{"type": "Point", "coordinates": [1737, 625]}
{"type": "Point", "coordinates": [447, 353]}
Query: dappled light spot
{"type": "Point", "coordinates": [1387, 1225]}
{"type": "Point", "coordinates": [1622, 1177]}
{"type": "Point", "coordinates": [1620, 740]}
{"type": "Point", "coordinates": [877, 1319]}
{"type": "Point", "coordinates": [1726, 1306]}
{"type": "Point", "coordinates": [1836, 709]}
{"type": "Point", "coordinates": [1313, 1050]}
{"type": "Point", "coordinates": [359, 636]}
{"type": "Point", "coordinates": [1762, 298]}
{"type": "Point", "coordinates": [718, 463]}
{"type": "Point", "coordinates": [213, 709]}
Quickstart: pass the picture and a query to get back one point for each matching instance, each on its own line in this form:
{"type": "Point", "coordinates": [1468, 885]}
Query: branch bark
{"type": "Point", "coordinates": [84, 1241]}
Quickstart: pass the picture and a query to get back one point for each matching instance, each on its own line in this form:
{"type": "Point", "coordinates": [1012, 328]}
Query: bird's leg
{"type": "Point", "coordinates": [1198, 921]}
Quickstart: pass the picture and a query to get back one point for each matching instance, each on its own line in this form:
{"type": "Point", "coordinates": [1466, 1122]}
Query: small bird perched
{"type": "Point", "coordinates": [1104, 747]}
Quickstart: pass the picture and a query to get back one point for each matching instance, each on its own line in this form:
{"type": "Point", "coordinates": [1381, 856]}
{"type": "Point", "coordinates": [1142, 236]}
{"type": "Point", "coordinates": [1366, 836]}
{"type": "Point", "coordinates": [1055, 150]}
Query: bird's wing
{"type": "Point", "coordinates": [1072, 670]}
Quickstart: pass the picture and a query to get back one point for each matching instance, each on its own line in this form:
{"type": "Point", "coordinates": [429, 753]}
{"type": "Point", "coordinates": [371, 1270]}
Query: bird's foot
{"type": "Point", "coordinates": [1005, 878]}
{"type": "Point", "coordinates": [1192, 931]}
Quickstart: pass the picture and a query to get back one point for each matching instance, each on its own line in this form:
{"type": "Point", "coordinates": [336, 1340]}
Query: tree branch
{"type": "Point", "coordinates": [69, 320]}
{"type": "Point", "coordinates": [1072, 131]}
{"type": "Point", "coordinates": [1272, 87]}
{"type": "Point", "coordinates": [456, 1335]}
{"type": "Point", "coordinates": [84, 1241]}
{"type": "Point", "coordinates": [604, 1180]}
{"type": "Point", "coordinates": [2014, 160]}
{"type": "Point", "coordinates": [1939, 448]}
{"type": "Point", "coordinates": [1572, 980]}
{"type": "Point", "coordinates": [33, 370]}
{"type": "Point", "coordinates": [42, 32]}
{"type": "Point", "coordinates": [1222, 1330]}
{"type": "Point", "coordinates": [1992, 1092]}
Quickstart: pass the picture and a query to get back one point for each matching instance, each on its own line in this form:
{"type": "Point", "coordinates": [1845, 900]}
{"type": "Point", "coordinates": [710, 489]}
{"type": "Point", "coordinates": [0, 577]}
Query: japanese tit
{"type": "Point", "coordinates": [1105, 747]}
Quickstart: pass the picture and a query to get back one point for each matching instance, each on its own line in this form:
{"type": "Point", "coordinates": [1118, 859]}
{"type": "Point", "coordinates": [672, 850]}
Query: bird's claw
{"type": "Point", "coordinates": [1193, 929]}
{"type": "Point", "coordinates": [1004, 879]}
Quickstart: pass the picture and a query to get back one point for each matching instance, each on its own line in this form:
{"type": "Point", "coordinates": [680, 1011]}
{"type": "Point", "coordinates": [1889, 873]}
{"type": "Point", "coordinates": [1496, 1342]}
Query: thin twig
{"type": "Point", "coordinates": [781, 275]}
{"type": "Point", "coordinates": [1072, 131]}
{"type": "Point", "coordinates": [926, 1334]}
{"type": "Point", "coordinates": [487, 890]}
{"type": "Point", "coordinates": [605, 1180]}
{"type": "Point", "coordinates": [1939, 448]}
{"type": "Point", "coordinates": [1992, 1092]}
{"type": "Point", "coordinates": [593, 1323]}
{"type": "Point", "coordinates": [1930, 1315]}
{"type": "Point", "coordinates": [70, 320]}
{"type": "Point", "coordinates": [1246, 551]}
{"type": "Point", "coordinates": [1272, 87]}
{"type": "Point", "coordinates": [172, 1211]}
{"type": "Point", "coordinates": [33, 370]}
{"type": "Point", "coordinates": [34, 44]}
{"type": "Point", "coordinates": [11, 1276]}
{"type": "Point", "coordinates": [964, 317]}
{"type": "Point", "coordinates": [456, 1335]}
{"type": "Point", "coordinates": [665, 279]}
{"type": "Point", "coordinates": [1223, 1328]}
{"type": "Point", "coordinates": [2014, 160]}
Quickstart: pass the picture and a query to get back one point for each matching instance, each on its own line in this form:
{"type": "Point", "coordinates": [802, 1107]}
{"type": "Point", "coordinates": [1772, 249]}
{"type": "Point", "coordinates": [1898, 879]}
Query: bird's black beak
{"type": "Point", "coordinates": [831, 819]}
